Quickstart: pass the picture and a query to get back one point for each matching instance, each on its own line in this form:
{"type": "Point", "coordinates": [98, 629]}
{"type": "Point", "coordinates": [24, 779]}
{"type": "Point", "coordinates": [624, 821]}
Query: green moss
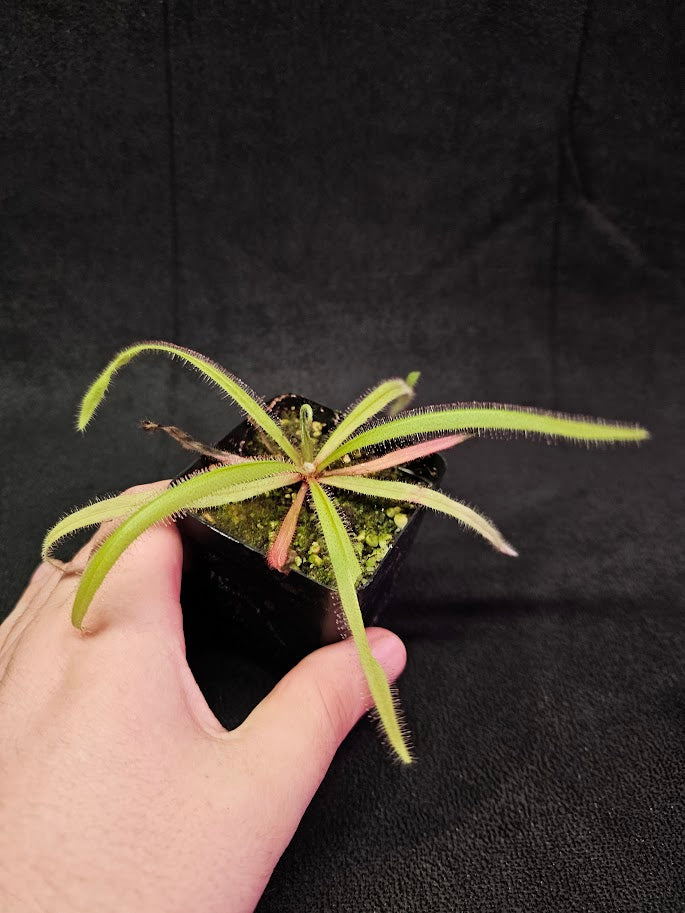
{"type": "Point", "coordinates": [374, 523]}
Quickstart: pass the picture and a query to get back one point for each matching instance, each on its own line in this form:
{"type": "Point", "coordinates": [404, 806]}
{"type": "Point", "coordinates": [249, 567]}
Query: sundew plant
{"type": "Point", "coordinates": [374, 435]}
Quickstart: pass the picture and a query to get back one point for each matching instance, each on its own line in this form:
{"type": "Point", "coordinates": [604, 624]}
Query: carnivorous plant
{"type": "Point", "coordinates": [350, 457]}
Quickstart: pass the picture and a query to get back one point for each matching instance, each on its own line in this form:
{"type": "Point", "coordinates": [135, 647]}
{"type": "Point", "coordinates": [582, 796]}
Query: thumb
{"type": "Point", "coordinates": [294, 732]}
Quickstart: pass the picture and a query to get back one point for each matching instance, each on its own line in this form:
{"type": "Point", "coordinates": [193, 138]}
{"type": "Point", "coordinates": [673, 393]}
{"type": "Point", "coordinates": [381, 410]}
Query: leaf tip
{"type": "Point", "coordinates": [403, 755]}
{"type": "Point", "coordinates": [77, 620]}
{"type": "Point", "coordinates": [86, 410]}
{"type": "Point", "coordinates": [507, 549]}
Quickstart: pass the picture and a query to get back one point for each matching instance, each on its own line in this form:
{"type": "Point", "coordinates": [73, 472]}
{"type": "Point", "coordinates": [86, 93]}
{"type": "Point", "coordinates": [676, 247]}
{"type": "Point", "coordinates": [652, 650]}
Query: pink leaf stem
{"type": "Point", "coordinates": [399, 456]}
{"type": "Point", "coordinates": [277, 555]}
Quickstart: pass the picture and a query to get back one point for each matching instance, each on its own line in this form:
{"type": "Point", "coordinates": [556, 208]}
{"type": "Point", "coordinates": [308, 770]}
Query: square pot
{"type": "Point", "coordinates": [273, 617]}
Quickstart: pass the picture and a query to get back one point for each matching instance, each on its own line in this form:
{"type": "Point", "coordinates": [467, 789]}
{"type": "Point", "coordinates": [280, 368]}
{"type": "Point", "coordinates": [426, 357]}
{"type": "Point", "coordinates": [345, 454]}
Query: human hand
{"type": "Point", "coordinates": [119, 789]}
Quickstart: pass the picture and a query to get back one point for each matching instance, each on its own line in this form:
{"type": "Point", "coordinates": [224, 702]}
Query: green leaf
{"type": "Point", "coordinates": [403, 401]}
{"type": "Point", "coordinates": [330, 518]}
{"type": "Point", "coordinates": [307, 444]}
{"type": "Point", "coordinates": [475, 417]}
{"type": "Point", "coordinates": [99, 512]}
{"type": "Point", "coordinates": [245, 398]}
{"type": "Point", "coordinates": [374, 401]}
{"type": "Point", "coordinates": [427, 497]}
{"type": "Point", "coordinates": [347, 573]}
{"type": "Point", "coordinates": [211, 488]}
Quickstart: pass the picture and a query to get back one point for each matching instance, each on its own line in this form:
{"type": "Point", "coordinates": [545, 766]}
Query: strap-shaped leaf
{"type": "Point", "coordinates": [427, 497]}
{"type": "Point", "coordinates": [245, 490]}
{"type": "Point", "coordinates": [368, 406]}
{"type": "Point", "coordinates": [330, 519]}
{"type": "Point", "coordinates": [277, 555]}
{"type": "Point", "coordinates": [476, 417]}
{"type": "Point", "coordinates": [247, 399]}
{"type": "Point", "coordinates": [206, 489]}
{"type": "Point", "coordinates": [398, 457]}
{"type": "Point", "coordinates": [92, 514]}
{"type": "Point", "coordinates": [339, 547]}
{"type": "Point", "coordinates": [403, 401]}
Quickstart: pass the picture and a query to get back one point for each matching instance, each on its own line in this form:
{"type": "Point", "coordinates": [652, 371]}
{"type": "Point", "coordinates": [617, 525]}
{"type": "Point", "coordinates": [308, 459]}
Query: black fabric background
{"type": "Point", "coordinates": [322, 194]}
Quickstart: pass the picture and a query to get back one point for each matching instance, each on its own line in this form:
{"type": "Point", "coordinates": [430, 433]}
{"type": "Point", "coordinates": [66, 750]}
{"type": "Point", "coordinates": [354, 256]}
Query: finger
{"type": "Point", "coordinates": [136, 618]}
{"type": "Point", "coordinates": [53, 570]}
{"type": "Point", "coordinates": [143, 587]}
{"type": "Point", "coordinates": [44, 576]}
{"type": "Point", "coordinates": [50, 592]}
{"type": "Point", "coordinates": [147, 570]}
{"type": "Point", "coordinates": [44, 580]}
{"type": "Point", "coordinates": [295, 731]}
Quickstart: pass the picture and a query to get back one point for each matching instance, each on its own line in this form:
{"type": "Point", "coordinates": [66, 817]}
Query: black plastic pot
{"type": "Point", "coordinates": [273, 617]}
